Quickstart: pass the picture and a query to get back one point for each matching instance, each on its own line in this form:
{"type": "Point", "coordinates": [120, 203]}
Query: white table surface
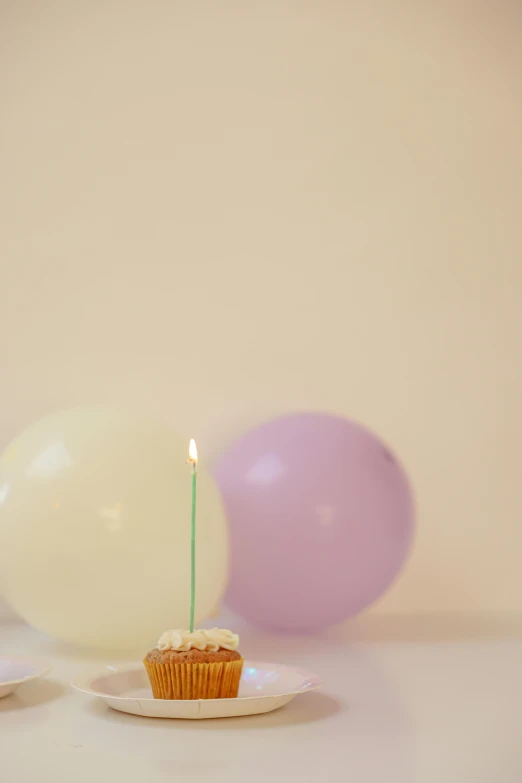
{"type": "Point", "coordinates": [407, 700]}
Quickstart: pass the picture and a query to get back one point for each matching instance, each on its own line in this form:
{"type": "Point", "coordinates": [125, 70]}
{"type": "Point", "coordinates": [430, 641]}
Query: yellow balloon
{"type": "Point", "coordinates": [95, 529]}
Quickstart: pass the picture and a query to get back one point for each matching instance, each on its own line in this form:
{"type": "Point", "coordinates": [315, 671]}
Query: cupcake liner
{"type": "Point", "coordinates": [194, 680]}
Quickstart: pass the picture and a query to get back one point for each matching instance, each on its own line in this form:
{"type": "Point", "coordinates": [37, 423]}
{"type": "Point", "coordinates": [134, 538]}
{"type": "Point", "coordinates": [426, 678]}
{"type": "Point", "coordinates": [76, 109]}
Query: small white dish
{"type": "Point", "coordinates": [264, 687]}
{"type": "Point", "coordinates": [15, 670]}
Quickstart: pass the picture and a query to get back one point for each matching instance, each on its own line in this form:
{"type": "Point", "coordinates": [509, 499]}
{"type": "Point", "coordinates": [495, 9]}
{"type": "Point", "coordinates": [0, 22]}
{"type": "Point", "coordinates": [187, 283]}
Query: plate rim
{"type": "Point", "coordinates": [82, 684]}
{"type": "Point", "coordinates": [42, 668]}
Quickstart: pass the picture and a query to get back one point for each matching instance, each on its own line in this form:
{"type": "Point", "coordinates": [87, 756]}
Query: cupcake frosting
{"type": "Point", "coordinates": [211, 639]}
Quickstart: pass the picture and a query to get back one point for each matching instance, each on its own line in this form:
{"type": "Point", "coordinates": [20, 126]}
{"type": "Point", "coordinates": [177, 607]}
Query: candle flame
{"type": "Point", "coordinates": [193, 452]}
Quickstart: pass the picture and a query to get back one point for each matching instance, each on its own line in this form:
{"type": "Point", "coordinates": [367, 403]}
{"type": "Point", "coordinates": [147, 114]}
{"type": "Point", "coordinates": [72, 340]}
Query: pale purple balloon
{"type": "Point", "coordinates": [321, 517]}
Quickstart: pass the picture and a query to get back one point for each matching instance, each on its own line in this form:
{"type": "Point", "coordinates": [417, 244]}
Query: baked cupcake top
{"type": "Point", "coordinates": [203, 639]}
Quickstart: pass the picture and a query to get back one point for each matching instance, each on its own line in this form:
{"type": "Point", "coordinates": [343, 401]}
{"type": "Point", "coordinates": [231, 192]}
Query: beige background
{"type": "Point", "coordinates": [226, 210]}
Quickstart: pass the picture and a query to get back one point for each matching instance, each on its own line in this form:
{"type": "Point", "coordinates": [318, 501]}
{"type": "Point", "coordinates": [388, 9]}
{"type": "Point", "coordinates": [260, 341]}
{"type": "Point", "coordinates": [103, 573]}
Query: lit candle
{"type": "Point", "coordinates": [193, 460]}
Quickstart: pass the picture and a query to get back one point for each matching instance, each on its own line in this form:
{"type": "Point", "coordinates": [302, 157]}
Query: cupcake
{"type": "Point", "coordinates": [203, 664]}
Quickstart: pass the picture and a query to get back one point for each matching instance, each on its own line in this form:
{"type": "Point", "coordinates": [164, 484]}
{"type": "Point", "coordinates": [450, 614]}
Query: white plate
{"type": "Point", "coordinates": [264, 687]}
{"type": "Point", "coordinates": [14, 670]}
